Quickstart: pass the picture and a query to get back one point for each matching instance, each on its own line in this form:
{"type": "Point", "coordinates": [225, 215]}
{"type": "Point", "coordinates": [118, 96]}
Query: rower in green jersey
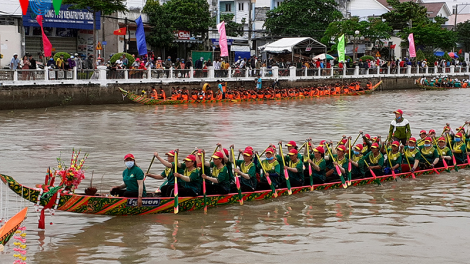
{"type": "Point", "coordinates": [411, 156]}
{"type": "Point", "coordinates": [429, 157]}
{"type": "Point", "coordinates": [375, 161]}
{"type": "Point", "coordinates": [444, 152]}
{"type": "Point", "coordinates": [459, 149]}
{"type": "Point", "coordinates": [399, 128]}
{"type": "Point", "coordinates": [394, 158]}
{"type": "Point", "coordinates": [295, 168]}
{"type": "Point", "coordinates": [357, 162]}
{"type": "Point", "coordinates": [305, 157]}
{"type": "Point", "coordinates": [432, 135]}
{"type": "Point", "coordinates": [272, 167]}
{"type": "Point", "coordinates": [219, 179]}
{"type": "Point", "coordinates": [167, 174]}
{"type": "Point", "coordinates": [422, 136]}
{"type": "Point", "coordinates": [318, 165]}
{"type": "Point", "coordinates": [246, 168]}
{"type": "Point", "coordinates": [366, 143]}
{"type": "Point", "coordinates": [338, 159]}
{"type": "Point", "coordinates": [191, 181]}
{"type": "Point", "coordinates": [290, 145]}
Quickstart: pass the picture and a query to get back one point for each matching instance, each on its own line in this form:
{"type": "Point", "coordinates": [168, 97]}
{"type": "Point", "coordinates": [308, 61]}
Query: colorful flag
{"type": "Point", "coordinates": [460, 52]}
{"type": "Point", "coordinates": [24, 6]}
{"type": "Point", "coordinates": [222, 39]}
{"type": "Point", "coordinates": [45, 41]}
{"type": "Point", "coordinates": [341, 49]}
{"type": "Point", "coordinates": [121, 31]}
{"type": "Point", "coordinates": [411, 48]}
{"type": "Point", "coordinates": [140, 37]}
{"type": "Point", "coordinates": [393, 46]}
{"type": "Point", "coordinates": [56, 4]}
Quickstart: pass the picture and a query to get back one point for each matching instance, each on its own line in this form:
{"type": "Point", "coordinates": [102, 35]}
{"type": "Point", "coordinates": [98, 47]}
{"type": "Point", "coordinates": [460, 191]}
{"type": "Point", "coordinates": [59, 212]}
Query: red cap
{"type": "Point", "coordinates": [396, 143]}
{"type": "Point", "coordinates": [460, 128]}
{"type": "Point", "coordinates": [412, 139]}
{"type": "Point", "coordinates": [367, 136]}
{"type": "Point", "coordinates": [170, 153]}
{"type": "Point", "coordinates": [291, 144]}
{"type": "Point", "coordinates": [375, 145]}
{"type": "Point", "coordinates": [269, 150]}
{"type": "Point", "coordinates": [293, 152]}
{"type": "Point", "coordinates": [226, 152]}
{"type": "Point", "coordinates": [249, 147]}
{"type": "Point", "coordinates": [129, 156]}
{"type": "Point", "coordinates": [428, 139]}
{"type": "Point", "coordinates": [399, 112]}
{"type": "Point", "coordinates": [190, 158]}
{"type": "Point", "coordinates": [432, 131]}
{"type": "Point", "coordinates": [446, 128]}
{"type": "Point", "coordinates": [359, 147]}
{"type": "Point", "coordinates": [199, 152]}
{"type": "Point", "coordinates": [375, 139]}
{"type": "Point", "coordinates": [343, 141]}
{"type": "Point", "coordinates": [322, 143]}
{"type": "Point", "coordinates": [422, 132]}
{"type": "Point", "coordinates": [218, 155]}
{"type": "Point", "coordinates": [341, 148]}
{"type": "Point", "coordinates": [248, 152]}
{"type": "Point", "coordinates": [459, 135]}
{"type": "Point", "coordinates": [442, 139]}
{"type": "Point", "coordinates": [319, 149]}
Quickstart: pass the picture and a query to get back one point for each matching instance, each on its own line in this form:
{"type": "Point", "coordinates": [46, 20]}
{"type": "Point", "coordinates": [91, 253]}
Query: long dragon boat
{"type": "Point", "coordinates": [149, 101]}
{"type": "Point", "coordinates": [121, 206]}
{"type": "Point", "coordinates": [10, 227]}
{"type": "Point", "coordinates": [428, 87]}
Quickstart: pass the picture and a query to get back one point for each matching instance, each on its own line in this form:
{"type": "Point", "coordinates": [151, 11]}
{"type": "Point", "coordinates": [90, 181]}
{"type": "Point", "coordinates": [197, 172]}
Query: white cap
{"type": "Point", "coordinates": [72, 57]}
{"type": "Point", "coordinates": [15, 54]}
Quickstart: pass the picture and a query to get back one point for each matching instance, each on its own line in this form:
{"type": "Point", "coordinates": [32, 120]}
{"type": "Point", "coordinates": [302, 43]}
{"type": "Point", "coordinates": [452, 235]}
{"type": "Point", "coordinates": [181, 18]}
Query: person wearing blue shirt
{"type": "Point", "coordinates": [259, 83]}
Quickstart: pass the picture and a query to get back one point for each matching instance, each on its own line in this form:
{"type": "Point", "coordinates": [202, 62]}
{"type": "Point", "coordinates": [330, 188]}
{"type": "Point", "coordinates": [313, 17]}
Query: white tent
{"type": "Point", "coordinates": [296, 45]}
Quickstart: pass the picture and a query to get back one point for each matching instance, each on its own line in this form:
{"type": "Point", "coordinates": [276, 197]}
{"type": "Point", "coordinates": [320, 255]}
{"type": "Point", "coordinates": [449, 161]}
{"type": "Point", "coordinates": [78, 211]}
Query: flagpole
{"type": "Point", "coordinates": [125, 41]}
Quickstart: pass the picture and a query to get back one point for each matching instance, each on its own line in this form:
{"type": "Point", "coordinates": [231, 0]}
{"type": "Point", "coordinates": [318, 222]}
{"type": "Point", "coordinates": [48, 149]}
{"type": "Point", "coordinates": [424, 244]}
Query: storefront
{"type": "Point", "coordinates": [71, 31]}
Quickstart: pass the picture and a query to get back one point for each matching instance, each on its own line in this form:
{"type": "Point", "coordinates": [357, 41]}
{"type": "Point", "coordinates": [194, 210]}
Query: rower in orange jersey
{"type": "Point", "coordinates": [193, 94]}
{"type": "Point", "coordinates": [209, 94]}
{"type": "Point", "coordinates": [218, 95]}
{"type": "Point", "coordinates": [154, 94]}
{"type": "Point", "coordinates": [184, 94]}
{"type": "Point", "coordinates": [162, 95]}
{"type": "Point", "coordinates": [174, 94]}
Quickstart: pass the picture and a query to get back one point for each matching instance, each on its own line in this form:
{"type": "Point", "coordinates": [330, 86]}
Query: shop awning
{"type": "Point", "coordinates": [288, 45]}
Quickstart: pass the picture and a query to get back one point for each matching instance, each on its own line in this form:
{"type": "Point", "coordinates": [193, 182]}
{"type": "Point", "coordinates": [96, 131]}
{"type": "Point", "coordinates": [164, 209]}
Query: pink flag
{"type": "Point", "coordinates": [222, 39]}
{"type": "Point", "coordinates": [411, 48]}
{"type": "Point", "coordinates": [45, 41]}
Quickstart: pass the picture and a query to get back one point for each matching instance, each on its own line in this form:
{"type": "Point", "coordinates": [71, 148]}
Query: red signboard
{"type": "Point", "coordinates": [183, 34]}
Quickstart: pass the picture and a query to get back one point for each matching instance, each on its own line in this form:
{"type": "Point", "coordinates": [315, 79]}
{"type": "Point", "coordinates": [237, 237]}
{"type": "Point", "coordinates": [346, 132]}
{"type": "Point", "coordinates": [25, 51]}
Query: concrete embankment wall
{"type": "Point", "coordinates": [49, 95]}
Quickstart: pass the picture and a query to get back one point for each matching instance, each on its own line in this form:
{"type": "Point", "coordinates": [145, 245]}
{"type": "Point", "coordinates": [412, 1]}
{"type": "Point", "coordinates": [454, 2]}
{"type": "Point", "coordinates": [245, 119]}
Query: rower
{"type": "Point", "coordinates": [154, 94]}
{"type": "Point", "coordinates": [422, 134]}
{"type": "Point", "coordinates": [429, 157]}
{"type": "Point", "coordinates": [295, 168]}
{"type": "Point", "coordinates": [219, 179]}
{"type": "Point", "coordinates": [318, 165]}
{"type": "Point", "coordinates": [444, 152]}
{"type": "Point", "coordinates": [366, 144]}
{"type": "Point", "coordinates": [247, 171]}
{"type": "Point", "coordinates": [162, 95]}
{"type": "Point", "coordinates": [432, 135]}
{"type": "Point", "coordinates": [191, 184]}
{"type": "Point", "coordinates": [394, 158]}
{"type": "Point", "coordinates": [357, 160]}
{"type": "Point", "coordinates": [375, 160]}
{"type": "Point", "coordinates": [410, 155]}
{"type": "Point", "coordinates": [338, 159]}
{"type": "Point", "coordinates": [167, 174]}
{"type": "Point", "coordinates": [271, 165]}
{"type": "Point", "coordinates": [400, 128]}
{"type": "Point", "coordinates": [459, 149]}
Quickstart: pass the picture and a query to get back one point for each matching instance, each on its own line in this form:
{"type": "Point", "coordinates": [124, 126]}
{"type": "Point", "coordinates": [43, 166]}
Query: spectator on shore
{"type": "Point", "coordinates": [60, 62]}
{"type": "Point", "coordinates": [25, 66]}
{"type": "Point", "coordinates": [32, 66]}
{"type": "Point", "coordinates": [14, 62]}
{"type": "Point", "coordinates": [71, 62]}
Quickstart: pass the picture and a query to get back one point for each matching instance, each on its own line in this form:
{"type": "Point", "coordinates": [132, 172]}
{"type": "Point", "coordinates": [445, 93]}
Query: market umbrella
{"type": "Point", "coordinates": [453, 55]}
{"type": "Point", "coordinates": [324, 56]}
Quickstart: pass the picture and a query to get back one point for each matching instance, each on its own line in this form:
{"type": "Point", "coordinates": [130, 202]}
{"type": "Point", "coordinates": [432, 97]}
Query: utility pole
{"type": "Point", "coordinates": [125, 41]}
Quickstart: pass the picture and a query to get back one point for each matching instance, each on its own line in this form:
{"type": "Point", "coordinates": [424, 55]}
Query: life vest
{"type": "Point", "coordinates": [260, 96]}
{"type": "Point", "coordinates": [337, 89]}
{"type": "Point", "coordinates": [185, 97]}
{"type": "Point", "coordinates": [218, 96]}
{"type": "Point", "coordinates": [194, 96]}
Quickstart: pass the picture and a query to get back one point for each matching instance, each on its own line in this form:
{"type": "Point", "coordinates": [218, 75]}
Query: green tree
{"type": "Point", "coordinates": [190, 15]}
{"type": "Point", "coordinates": [232, 28]}
{"type": "Point", "coordinates": [373, 29]}
{"type": "Point", "coordinates": [162, 34]}
{"type": "Point", "coordinates": [307, 18]}
{"type": "Point", "coordinates": [405, 14]}
{"type": "Point", "coordinates": [106, 7]}
{"type": "Point", "coordinates": [420, 55]}
{"type": "Point", "coordinates": [463, 33]}
{"type": "Point", "coordinates": [431, 35]}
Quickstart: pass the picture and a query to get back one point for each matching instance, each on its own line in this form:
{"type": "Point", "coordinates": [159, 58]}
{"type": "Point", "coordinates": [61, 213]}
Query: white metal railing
{"type": "Point", "coordinates": [103, 75]}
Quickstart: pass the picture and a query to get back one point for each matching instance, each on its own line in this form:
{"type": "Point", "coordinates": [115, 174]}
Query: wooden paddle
{"type": "Point", "coordinates": [148, 170]}
{"type": "Point", "coordinates": [371, 171]}
{"type": "Point", "coordinates": [338, 170]}
{"type": "Point", "coordinates": [286, 173]}
{"type": "Point", "coordinates": [309, 167]}
{"type": "Point", "coordinates": [409, 165]}
{"type": "Point", "coordinates": [349, 164]}
{"type": "Point", "coordinates": [215, 150]}
{"type": "Point", "coordinates": [266, 174]}
{"type": "Point", "coordinates": [432, 166]}
{"type": "Point", "coordinates": [237, 178]}
{"type": "Point", "coordinates": [456, 168]}
{"type": "Point", "coordinates": [390, 162]}
{"type": "Point", "coordinates": [204, 181]}
{"type": "Point", "coordinates": [360, 133]}
{"type": "Point", "coordinates": [176, 208]}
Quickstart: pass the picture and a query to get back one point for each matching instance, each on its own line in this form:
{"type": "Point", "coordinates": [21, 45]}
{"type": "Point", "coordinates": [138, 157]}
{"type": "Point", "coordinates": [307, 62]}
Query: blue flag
{"type": "Point", "coordinates": [140, 37]}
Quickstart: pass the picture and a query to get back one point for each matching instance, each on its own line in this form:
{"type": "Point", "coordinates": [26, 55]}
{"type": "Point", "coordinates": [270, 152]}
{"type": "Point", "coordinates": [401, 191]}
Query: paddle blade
{"type": "Point", "coordinates": [413, 175]}
{"type": "Point", "coordinates": [394, 175]}
{"type": "Point", "coordinates": [373, 174]}
{"type": "Point", "coordinates": [434, 169]}
{"type": "Point", "coordinates": [445, 164]}
{"type": "Point", "coordinates": [349, 166]}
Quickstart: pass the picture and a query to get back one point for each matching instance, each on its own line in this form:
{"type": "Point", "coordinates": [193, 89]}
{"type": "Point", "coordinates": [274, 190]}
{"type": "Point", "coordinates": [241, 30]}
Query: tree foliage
{"type": "Point", "coordinates": [106, 7]}
{"type": "Point", "coordinates": [189, 15]}
{"type": "Point", "coordinates": [232, 28]}
{"type": "Point", "coordinates": [420, 55]}
{"type": "Point", "coordinates": [405, 14]}
{"type": "Point", "coordinates": [373, 29]}
{"type": "Point", "coordinates": [431, 34]}
{"type": "Point", "coordinates": [306, 18]}
{"type": "Point", "coordinates": [162, 34]}
{"type": "Point", "coordinates": [463, 33]}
